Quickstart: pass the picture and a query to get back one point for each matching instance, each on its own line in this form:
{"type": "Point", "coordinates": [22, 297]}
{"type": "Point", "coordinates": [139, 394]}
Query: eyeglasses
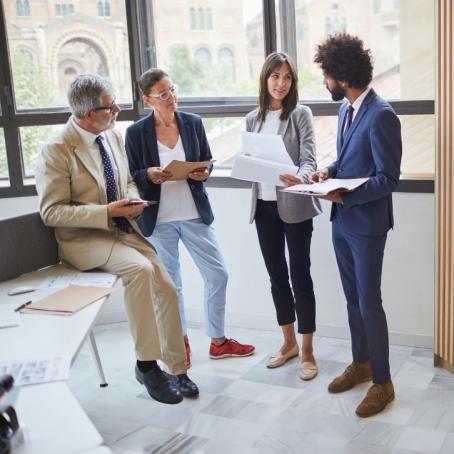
{"type": "Point", "coordinates": [109, 108]}
{"type": "Point", "coordinates": [165, 95]}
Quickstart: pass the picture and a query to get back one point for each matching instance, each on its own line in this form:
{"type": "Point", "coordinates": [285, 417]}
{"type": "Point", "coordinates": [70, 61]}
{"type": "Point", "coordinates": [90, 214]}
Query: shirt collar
{"type": "Point", "coordinates": [359, 100]}
{"type": "Point", "coordinates": [87, 136]}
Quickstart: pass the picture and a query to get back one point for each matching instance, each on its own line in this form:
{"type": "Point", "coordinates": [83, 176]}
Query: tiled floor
{"type": "Point", "coordinates": [246, 408]}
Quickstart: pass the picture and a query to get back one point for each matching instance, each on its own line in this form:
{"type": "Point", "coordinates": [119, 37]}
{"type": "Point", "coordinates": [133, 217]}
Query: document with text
{"type": "Point", "coordinates": [326, 187]}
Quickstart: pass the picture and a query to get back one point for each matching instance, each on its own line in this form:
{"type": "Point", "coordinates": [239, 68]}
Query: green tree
{"type": "Point", "coordinates": [32, 90]}
{"type": "Point", "coordinates": [187, 73]}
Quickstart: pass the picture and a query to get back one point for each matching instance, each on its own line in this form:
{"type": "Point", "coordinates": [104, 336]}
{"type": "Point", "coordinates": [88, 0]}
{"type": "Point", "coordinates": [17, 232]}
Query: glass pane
{"type": "Point", "coordinates": [211, 49]}
{"type": "Point", "coordinates": [3, 161]}
{"type": "Point", "coordinates": [224, 136]}
{"type": "Point", "coordinates": [418, 143]}
{"type": "Point", "coordinates": [50, 43]}
{"type": "Point", "coordinates": [400, 35]}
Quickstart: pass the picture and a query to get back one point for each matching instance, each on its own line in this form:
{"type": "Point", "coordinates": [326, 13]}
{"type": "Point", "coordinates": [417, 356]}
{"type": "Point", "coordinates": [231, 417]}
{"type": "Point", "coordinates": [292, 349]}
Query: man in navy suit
{"type": "Point", "coordinates": [369, 144]}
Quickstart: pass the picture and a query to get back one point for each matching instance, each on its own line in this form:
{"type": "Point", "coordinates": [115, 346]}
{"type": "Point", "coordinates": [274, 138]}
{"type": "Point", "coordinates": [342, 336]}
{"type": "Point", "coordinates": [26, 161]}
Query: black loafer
{"type": "Point", "coordinates": [159, 386]}
{"type": "Point", "coordinates": [186, 386]}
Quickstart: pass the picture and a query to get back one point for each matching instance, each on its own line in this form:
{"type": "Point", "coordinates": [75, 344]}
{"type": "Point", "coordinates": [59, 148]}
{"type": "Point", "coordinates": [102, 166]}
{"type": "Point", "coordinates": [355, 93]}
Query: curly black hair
{"type": "Point", "coordinates": [343, 57]}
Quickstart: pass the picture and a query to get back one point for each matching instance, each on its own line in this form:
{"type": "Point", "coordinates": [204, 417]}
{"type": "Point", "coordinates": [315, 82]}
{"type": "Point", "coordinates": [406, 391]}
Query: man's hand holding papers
{"type": "Point", "coordinates": [328, 189]}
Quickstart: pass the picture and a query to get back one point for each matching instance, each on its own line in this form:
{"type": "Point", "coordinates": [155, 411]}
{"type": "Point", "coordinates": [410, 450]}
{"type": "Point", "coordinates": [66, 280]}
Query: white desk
{"type": "Point", "coordinates": [55, 422]}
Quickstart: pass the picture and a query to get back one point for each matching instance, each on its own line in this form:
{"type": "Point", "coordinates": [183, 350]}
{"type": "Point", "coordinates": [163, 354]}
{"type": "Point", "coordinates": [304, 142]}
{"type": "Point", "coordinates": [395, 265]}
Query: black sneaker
{"type": "Point", "coordinates": [159, 386]}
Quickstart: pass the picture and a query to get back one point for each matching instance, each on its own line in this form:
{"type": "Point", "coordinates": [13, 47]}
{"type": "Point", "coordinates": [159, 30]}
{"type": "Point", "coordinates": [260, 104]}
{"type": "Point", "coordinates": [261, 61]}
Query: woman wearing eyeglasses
{"type": "Point", "coordinates": [183, 211]}
{"type": "Point", "coordinates": [282, 217]}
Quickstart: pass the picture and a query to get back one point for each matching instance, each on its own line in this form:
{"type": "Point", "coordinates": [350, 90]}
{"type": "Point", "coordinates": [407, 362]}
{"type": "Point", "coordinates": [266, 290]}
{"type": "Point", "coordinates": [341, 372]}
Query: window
{"type": "Point", "coordinates": [3, 161]}
{"type": "Point", "coordinates": [104, 8]}
{"type": "Point", "coordinates": [203, 56]}
{"type": "Point", "coordinates": [377, 6]}
{"type": "Point", "coordinates": [22, 8]}
{"type": "Point", "coordinates": [63, 49]}
{"type": "Point", "coordinates": [64, 9]}
{"type": "Point", "coordinates": [236, 44]}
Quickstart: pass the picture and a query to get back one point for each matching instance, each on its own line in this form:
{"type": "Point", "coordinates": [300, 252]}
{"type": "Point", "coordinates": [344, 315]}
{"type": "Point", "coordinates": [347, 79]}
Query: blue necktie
{"type": "Point", "coordinates": [111, 187]}
{"type": "Point", "coordinates": [347, 122]}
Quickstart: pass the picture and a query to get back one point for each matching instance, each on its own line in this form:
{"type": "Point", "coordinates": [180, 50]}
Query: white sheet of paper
{"type": "Point", "coordinates": [327, 186]}
{"type": "Point", "coordinates": [258, 170]}
{"type": "Point", "coordinates": [93, 279]}
{"type": "Point", "coordinates": [40, 370]}
{"type": "Point", "coordinates": [269, 147]}
{"type": "Point", "coordinates": [9, 318]}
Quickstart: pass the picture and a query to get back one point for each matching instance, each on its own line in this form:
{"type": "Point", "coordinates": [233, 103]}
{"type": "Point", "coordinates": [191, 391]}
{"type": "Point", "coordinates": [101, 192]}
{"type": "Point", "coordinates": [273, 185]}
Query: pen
{"type": "Point", "coordinates": [22, 306]}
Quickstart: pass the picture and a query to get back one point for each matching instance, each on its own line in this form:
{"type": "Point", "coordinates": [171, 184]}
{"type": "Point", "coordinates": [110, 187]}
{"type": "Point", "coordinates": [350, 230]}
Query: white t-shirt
{"type": "Point", "coordinates": [176, 203]}
{"type": "Point", "coordinates": [270, 126]}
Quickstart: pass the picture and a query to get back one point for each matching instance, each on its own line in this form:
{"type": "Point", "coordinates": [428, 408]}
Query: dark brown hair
{"type": "Point", "coordinates": [272, 62]}
{"type": "Point", "coordinates": [149, 78]}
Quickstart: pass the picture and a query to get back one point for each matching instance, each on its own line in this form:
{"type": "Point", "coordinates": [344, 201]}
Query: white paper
{"type": "Point", "coordinates": [9, 318]}
{"type": "Point", "coordinates": [93, 279]}
{"type": "Point", "coordinates": [35, 371]}
{"type": "Point", "coordinates": [327, 186]}
{"type": "Point", "coordinates": [269, 147]}
{"type": "Point", "coordinates": [250, 168]}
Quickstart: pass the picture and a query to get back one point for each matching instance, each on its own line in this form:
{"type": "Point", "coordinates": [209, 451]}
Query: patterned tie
{"type": "Point", "coordinates": [348, 121]}
{"type": "Point", "coordinates": [111, 187]}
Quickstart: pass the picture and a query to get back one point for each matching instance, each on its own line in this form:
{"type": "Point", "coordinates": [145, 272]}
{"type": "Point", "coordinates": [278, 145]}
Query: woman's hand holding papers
{"type": "Point", "coordinates": [157, 176]}
{"type": "Point", "coordinates": [200, 174]}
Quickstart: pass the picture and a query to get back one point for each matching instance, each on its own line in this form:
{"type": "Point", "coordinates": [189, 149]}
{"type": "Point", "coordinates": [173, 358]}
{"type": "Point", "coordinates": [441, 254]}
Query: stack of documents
{"type": "Point", "coordinates": [263, 158]}
{"type": "Point", "coordinates": [326, 187]}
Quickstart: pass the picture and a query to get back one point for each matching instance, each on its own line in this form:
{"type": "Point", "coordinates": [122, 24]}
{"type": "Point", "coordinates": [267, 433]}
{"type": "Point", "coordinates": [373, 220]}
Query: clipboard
{"type": "Point", "coordinates": [181, 169]}
{"type": "Point", "coordinates": [67, 301]}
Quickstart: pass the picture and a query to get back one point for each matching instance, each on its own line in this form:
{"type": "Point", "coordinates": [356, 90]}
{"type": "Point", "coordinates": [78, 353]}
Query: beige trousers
{"type": "Point", "coordinates": [151, 301]}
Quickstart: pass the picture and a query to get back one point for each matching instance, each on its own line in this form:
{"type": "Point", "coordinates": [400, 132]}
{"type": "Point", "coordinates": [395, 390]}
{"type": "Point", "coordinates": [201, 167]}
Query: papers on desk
{"type": "Point", "coordinates": [181, 169]}
{"type": "Point", "coordinates": [8, 318]}
{"type": "Point", "coordinates": [326, 187]}
{"type": "Point", "coordinates": [262, 159]}
{"type": "Point", "coordinates": [42, 370]}
{"type": "Point", "coordinates": [92, 279]}
{"type": "Point", "coordinates": [67, 301]}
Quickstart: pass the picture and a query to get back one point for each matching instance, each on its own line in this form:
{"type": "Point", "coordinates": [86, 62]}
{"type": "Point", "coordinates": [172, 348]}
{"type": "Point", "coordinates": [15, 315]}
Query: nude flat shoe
{"type": "Point", "coordinates": [308, 370]}
{"type": "Point", "coordinates": [279, 358]}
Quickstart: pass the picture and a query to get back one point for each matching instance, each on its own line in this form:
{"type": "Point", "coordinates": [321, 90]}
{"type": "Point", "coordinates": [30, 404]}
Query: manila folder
{"type": "Point", "coordinates": [68, 300]}
{"type": "Point", "coordinates": [181, 169]}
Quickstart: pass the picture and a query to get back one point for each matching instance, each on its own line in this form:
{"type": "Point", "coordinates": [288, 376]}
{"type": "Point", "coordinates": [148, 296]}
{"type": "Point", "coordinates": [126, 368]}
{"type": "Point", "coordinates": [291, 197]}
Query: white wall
{"type": "Point", "coordinates": [408, 276]}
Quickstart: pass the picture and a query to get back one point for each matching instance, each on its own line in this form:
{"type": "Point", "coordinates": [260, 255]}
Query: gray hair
{"type": "Point", "coordinates": [85, 92]}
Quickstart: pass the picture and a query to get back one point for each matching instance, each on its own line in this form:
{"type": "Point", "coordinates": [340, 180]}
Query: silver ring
{"type": "Point", "coordinates": [159, 181]}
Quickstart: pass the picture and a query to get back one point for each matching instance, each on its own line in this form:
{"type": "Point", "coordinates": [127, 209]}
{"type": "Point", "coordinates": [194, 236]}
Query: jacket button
{"type": "Point", "coordinates": [192, 187]}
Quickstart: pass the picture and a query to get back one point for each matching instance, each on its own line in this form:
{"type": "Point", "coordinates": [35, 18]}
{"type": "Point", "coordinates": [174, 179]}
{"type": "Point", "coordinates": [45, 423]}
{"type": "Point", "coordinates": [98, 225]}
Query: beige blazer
{"type": "Point", "coordinates": [73, 199]}
{"type": "Point", "coordinates": [298, 135]}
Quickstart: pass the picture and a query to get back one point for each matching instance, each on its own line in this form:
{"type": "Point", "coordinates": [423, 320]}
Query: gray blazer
{"type": "Point", "coordinates": [298, 135]}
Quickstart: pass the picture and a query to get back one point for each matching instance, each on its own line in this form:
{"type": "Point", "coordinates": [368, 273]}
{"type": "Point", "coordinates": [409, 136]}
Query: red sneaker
{"type": "Point", "coordinates": [188, 354]}
{"type": "Point", "coordinates": [230, 347]}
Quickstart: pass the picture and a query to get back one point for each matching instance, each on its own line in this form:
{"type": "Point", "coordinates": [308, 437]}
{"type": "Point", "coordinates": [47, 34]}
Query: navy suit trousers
{"type": "Point", "coordinates": [360, 261]}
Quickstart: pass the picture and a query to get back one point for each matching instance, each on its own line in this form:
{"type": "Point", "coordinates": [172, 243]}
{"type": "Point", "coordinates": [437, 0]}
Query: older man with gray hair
{"type": "Point", "coordinates": [85, 192]}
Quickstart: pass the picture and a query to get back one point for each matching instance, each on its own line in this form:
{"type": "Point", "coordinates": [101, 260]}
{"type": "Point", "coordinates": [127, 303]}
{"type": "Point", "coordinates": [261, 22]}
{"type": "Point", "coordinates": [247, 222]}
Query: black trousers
{"type": "Point", "coordinates": [273, 233]}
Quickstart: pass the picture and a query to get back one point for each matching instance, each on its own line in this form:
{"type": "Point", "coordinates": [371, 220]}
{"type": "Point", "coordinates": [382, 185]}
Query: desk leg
{"type": "Point", "coordinates": [94, 349]}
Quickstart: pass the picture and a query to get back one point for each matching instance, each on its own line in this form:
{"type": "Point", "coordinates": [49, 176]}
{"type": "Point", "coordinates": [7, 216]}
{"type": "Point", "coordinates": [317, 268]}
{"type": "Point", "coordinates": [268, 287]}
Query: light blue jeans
{"type": "Point", "coordinates": [201, 243]}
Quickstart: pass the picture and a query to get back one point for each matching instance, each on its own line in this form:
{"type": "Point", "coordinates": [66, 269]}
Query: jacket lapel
{"type": "Point", "coordinates": [84, 155]}
{"type": "Point", "coordinates": [151, 142]}
{"type": "Point", "coordinates": [359, 116]}
{"type": "Point", "coordinates": [183, 127]}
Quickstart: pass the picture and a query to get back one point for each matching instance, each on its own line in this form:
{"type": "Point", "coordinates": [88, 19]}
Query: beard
{"type": "Point", "coordinates": [337, 92]}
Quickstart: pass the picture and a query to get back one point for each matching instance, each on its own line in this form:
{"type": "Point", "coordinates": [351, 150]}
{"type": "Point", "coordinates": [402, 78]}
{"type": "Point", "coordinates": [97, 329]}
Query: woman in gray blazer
{"type": "Point", "coordinates": [282, 217]}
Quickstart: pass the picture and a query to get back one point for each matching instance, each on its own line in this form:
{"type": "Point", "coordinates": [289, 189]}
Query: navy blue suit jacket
{"type": "Point", "coordinates": [142, 150]}
{"type": "Point", "coordinates": [371, 148]}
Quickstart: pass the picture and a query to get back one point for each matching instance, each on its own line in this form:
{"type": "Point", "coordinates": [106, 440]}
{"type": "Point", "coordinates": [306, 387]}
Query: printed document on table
{"type": "Point", "coordinates": [9, 318]}
{"type": "Point", "coordinates": [38, 370]}
{"type": "Point", "coordinates": [92, 279]}
{"type": "Point", "coordinates": [325, 187]}
{"type": "Point", "coordinates": [269, 147]}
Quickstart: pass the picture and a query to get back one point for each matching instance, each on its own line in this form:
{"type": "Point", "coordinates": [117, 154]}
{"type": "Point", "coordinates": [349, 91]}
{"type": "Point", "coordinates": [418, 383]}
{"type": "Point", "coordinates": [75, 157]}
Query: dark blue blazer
{"type": "Point", "coordinates": [371, 148]}
{"type": "Point", "coordinates": [142, 150]}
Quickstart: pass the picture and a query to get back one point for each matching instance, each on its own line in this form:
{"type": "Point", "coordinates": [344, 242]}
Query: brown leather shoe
{"type": "Point", "coordinates": [354, 374]}
{"type": "Point", "coordinates": [377, 397]}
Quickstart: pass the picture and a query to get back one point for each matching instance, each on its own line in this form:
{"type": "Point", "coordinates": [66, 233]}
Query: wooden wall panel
{"type": "Point", "coordinates": [444, 195]}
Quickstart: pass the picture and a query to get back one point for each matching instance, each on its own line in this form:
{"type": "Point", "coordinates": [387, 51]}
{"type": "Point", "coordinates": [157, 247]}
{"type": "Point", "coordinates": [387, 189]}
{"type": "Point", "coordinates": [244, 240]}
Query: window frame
{"type": "Point", "coordinates": [140, 59]}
